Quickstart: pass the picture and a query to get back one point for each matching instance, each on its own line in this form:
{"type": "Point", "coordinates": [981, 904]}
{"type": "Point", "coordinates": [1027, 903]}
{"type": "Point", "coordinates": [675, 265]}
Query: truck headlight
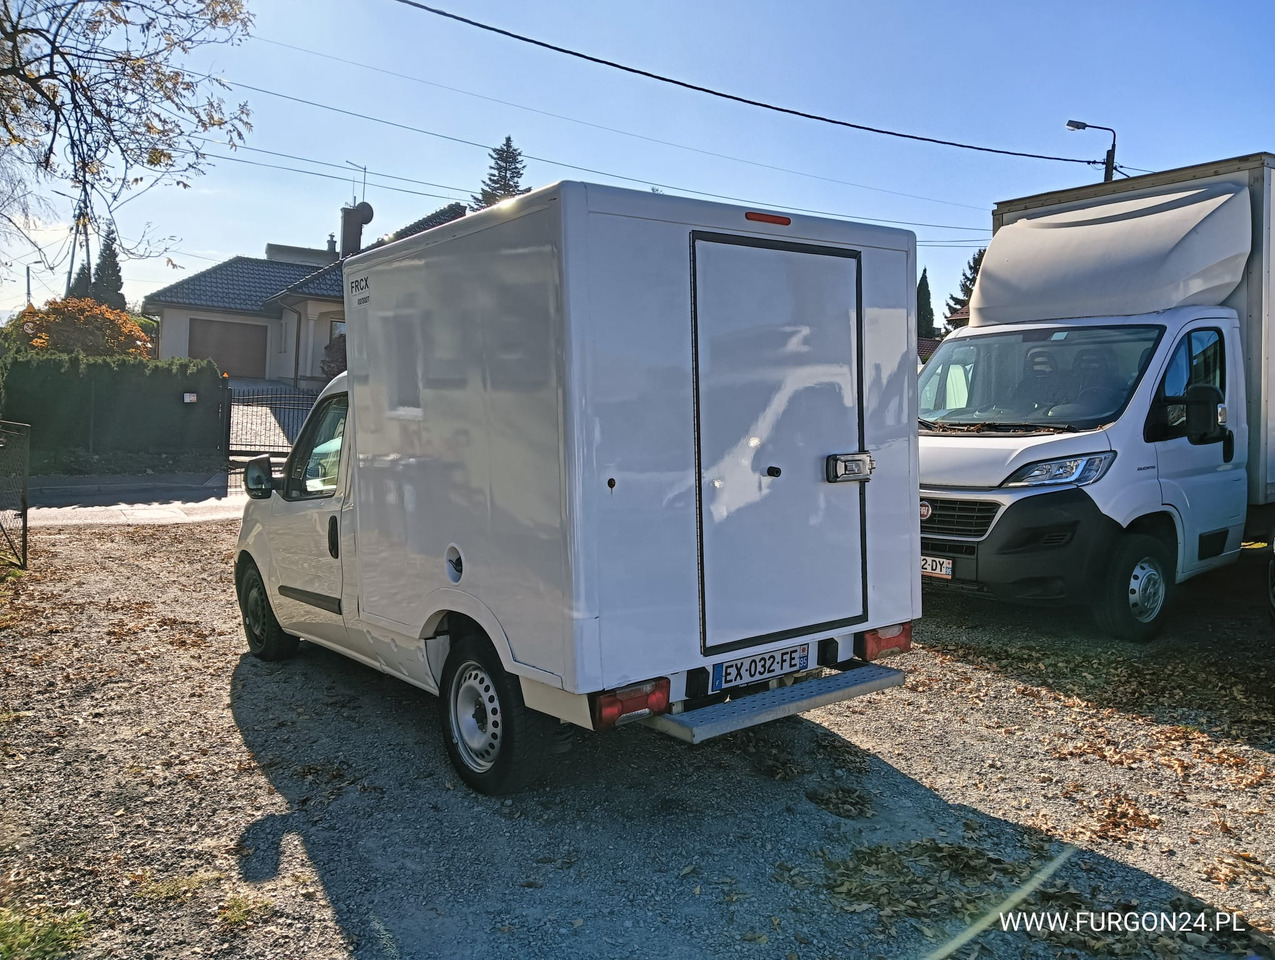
{"type": "Point", "coordinates": [1073, 470]}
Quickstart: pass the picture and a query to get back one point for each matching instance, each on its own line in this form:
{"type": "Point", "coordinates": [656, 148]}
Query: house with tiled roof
{"type": "Point", "coordinates": [268, 318]}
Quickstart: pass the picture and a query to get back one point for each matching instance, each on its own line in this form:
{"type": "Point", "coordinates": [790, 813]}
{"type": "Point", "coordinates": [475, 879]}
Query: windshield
{"type": "Point", "coordinates": [1057, 378]}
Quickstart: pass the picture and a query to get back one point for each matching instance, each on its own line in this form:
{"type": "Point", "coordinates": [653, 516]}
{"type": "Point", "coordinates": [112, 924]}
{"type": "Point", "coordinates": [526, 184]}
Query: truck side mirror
{"type": "Point", "coordinates": [258, 481]}
{"type": "Point", "coordinates": [1205, 413]}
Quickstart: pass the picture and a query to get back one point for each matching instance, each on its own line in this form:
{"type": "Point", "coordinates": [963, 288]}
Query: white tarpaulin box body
{"type": "Point", "coordinates": [1198, 235]}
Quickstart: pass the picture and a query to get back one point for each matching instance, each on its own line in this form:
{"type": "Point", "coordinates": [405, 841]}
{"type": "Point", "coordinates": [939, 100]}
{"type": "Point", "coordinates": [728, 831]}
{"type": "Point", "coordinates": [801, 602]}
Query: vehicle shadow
{"type": "Point", "coordinates": [1211, 669]}
{"type": "Point", "coordinates": [638, 846]}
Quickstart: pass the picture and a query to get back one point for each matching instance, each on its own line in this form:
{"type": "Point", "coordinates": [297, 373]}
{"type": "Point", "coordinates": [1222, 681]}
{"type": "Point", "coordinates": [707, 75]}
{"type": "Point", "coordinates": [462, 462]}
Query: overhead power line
{"type": "Point", "coordinates": [338, 166]}
{"type": "Point", "coordinates": [957, 241]}
{"type": "Point", "coordinates": [570, 166]}
{"type": "Point", "coordinates": [325, 176]}
{"type": "Point", "coordinates": [601, 126]}
{"type": "Point", "coordinates": [731, 96]}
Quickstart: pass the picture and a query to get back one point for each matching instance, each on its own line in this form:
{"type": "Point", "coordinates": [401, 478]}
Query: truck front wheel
{"type": "Point", "coordinates": [495, 742]}
{"type": "Point", "coordinates": [1135, 592]}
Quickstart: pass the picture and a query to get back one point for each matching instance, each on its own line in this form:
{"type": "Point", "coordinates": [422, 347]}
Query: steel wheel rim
{"type": "Point", "coordinates": [476, 719]}
{"type": "Point", "coordinates": [1146, 590]}
{"type": "Point", "coordinates": [255, 612]}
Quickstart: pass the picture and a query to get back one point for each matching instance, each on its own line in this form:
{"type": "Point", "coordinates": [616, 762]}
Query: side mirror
{"type": "Point", "coordinates": [1205, 413]}
{"type": "Point", "coordinates": [258, 480]}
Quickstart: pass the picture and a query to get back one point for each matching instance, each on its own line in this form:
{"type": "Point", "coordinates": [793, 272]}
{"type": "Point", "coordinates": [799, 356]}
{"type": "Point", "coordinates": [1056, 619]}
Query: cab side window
{"type": "Point", "coordinates": [313, 468]}
{"type": "Point", "coordinates": [1198, 358]}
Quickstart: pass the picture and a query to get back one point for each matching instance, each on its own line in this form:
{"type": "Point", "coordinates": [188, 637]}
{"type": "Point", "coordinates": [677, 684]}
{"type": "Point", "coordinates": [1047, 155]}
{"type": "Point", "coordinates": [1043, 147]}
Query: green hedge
{"type": "Point", "coordinates": [114, 404]}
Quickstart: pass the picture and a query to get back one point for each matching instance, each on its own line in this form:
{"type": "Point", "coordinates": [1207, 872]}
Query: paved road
{"type": "Point", "coordinates": [177, 498]}
{"type": "Point", "coordinates": [179, 511]}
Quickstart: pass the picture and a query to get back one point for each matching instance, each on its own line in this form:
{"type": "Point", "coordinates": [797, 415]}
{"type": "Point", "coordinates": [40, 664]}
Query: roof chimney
{"type": "Point", "coordinates": [332, 245]}
{"type": "Point", "coordinates": [353, 219]}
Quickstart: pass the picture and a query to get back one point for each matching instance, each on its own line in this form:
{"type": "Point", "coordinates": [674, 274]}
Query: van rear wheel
{"type": "Point", "coordinates": [1135, 592]}
{"type": "Point", "coordinates": [496, 743]}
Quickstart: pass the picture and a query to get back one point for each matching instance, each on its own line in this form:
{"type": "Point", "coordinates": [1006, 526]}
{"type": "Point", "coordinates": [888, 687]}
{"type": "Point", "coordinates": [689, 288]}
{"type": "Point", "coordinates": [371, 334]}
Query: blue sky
{"type": "Point", "coordinates": [1182, 82]}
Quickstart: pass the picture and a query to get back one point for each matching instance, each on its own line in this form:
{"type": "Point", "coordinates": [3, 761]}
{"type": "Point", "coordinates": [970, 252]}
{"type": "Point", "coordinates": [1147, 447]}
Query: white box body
{"type": "Point", "coordinates": [581, 393]}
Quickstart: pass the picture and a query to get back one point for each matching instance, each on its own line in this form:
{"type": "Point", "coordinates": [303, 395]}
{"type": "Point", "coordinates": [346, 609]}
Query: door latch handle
{"type": "Point", "coordinates": [849, 467]}
{"type": "Point", "coordinates": [334, 539]}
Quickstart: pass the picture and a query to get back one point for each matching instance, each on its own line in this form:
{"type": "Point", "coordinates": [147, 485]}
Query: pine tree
{"type": "Point", "coordinates": [82, 285]}
{"type": "Point", "coordinates": [108, 282]}
{"type": "Point", "coordinates": [924, 307]}
{"type": "Point", "coordinates": [958, 300]}
{"type": "Point", "coordinates": [504, 179]}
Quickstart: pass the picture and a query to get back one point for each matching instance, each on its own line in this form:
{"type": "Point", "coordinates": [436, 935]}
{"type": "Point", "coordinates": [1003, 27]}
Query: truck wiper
{"type": "Point", "coordinates": [994, 426]}
{"type": "Point", "coordinates": [936, 427]}
{"type": "Point", "coordinates": [1008, 427]}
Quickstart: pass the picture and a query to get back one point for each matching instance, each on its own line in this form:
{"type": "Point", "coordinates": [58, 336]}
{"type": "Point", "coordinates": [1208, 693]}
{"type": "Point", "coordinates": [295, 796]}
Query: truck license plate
{"type": "Point", "coordinates": [936, 567]}
{"type": "Point", "coordinates": [760, 666]}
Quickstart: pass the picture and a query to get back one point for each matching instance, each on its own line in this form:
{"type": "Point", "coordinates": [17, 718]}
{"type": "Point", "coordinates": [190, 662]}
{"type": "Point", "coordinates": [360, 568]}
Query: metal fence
{"type": "Point", "coordinates": [266, 420]}
{"type": "Point", "coordinates": [15, 469]}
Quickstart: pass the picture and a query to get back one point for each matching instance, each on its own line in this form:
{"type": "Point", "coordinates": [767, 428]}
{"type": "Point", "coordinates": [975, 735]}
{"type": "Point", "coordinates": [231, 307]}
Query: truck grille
{"type": "Point", "coordinates": [959, 518]}
{"type": "Point", "coordinates": [947, 548]}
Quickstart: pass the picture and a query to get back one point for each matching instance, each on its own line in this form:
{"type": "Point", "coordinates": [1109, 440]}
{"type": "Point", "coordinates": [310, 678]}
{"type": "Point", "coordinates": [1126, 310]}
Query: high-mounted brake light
{"type": "Point", "coordinates": [768, 218]}
{"type": "Point", "coordinates": [631, 703]}
{"type": "Point", "coordinates": [884, 642]}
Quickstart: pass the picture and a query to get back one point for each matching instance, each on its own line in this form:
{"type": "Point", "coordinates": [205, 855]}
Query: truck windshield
{"type": "Point", "coordinates": [1056, 378]}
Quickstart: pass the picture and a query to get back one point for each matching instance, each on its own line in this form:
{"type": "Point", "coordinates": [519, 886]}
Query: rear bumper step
{"type": "Point", "coordinates": [696, 726]}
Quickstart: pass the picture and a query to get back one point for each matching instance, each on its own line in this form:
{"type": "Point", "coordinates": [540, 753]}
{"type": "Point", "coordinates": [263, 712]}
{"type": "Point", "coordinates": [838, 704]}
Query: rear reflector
{"type": "Point", "coordinates": [631, 703]}
{"type": "Point", "coordinates": [768, 218]}
{"type": "Point", "coordinates": [884, 642]}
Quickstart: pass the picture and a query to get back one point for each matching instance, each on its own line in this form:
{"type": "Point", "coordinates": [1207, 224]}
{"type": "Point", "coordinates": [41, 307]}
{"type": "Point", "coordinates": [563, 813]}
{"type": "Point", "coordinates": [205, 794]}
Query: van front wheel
{"type": "Point", "coordinates": [495, 742]}
{"type": "Point", "coordinates": [1133, 596]}
{"type": "Point", "coordinates": [266, 639]}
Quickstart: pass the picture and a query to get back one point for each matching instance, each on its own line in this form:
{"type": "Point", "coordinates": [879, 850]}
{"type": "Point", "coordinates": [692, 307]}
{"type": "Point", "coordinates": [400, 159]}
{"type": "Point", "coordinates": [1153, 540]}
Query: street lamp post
{"type": "Point", "coordinates": [1110, 171]}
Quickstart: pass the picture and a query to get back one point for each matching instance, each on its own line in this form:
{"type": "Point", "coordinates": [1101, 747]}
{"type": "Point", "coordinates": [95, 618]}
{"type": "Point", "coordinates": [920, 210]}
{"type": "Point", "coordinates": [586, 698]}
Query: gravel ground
{"type": "Point", "coordinates": [166, 795]}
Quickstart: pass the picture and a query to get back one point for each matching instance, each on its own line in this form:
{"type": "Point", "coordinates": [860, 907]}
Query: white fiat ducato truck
{"type": "Point", "coordinates": [604, 456]}
{"type": "Point", "coordinates": [1102, 429]}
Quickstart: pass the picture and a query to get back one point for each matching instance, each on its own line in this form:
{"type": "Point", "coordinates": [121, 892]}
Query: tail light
{"type": "Point", "coordinates": [884, 641]}
{"type": "Point", "coordinates": [631, 703]}
{"type": "Point", "coordinates": [774, 218]}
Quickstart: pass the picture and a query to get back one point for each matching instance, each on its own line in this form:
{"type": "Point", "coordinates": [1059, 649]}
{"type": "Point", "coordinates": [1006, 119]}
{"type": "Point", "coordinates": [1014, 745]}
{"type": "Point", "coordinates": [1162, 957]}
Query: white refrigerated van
{"type": "Point", "coordinates": [1101, 431]}
{"type": "Point", "coordinates": [604, 456]}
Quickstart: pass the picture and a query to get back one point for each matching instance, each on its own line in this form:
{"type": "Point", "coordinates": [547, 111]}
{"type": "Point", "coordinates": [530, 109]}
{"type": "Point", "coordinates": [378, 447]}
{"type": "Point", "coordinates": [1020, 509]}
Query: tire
{"type": "Point", "coordinates": [1135, 593]}
{"type": "Point", "coordinates": [495, 742]}
{"type": "Point", "coordinates": [266, 639]}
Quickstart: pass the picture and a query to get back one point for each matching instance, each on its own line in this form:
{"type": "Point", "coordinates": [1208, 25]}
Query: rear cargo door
{"type": "Point", "coordinates": [778, 390]}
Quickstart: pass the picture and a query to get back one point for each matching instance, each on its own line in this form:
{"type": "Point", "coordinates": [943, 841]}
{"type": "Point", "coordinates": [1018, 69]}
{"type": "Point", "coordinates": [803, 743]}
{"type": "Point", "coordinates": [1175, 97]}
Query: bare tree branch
{"type": "Point", "coordinates": [95, 93]}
